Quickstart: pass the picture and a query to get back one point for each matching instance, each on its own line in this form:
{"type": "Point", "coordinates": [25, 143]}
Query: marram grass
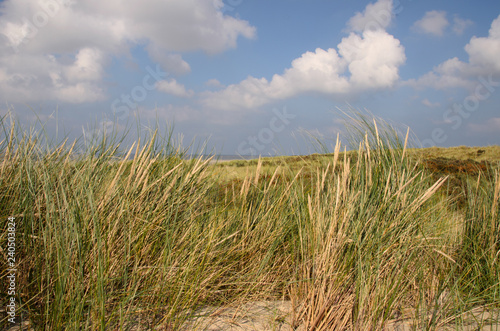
{"type": "Point", "coordinates": [353, 240]}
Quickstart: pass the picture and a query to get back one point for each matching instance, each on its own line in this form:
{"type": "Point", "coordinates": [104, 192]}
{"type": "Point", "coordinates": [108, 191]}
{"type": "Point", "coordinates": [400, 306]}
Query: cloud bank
{"type": "Point", "coordinates": [58, 49]}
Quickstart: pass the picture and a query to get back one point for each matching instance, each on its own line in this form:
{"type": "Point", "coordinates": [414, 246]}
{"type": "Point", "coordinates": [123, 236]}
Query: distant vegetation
{"type": "Point", "coordinates": [354, 240]}
{"type": "Point", "coordinates": [488, 156]}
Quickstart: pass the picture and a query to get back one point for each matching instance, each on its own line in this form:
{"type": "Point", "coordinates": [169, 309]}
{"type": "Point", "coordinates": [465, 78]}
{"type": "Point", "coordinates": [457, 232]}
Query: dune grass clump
{"type": "Point", "coordinates": [139, 237]}
{"type": "Point", "coordinates": [370, 251]}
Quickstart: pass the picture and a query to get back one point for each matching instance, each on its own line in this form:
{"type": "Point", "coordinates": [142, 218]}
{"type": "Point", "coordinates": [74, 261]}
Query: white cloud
{"type": "Point", "coordinates": [434, 22]}
{"type": "Point", "coordinates": [184, 25]}
{"type": "Point", "coordinates": [214, 83]}
{"type": "Point", "coordinates": [363, 62]}
{"type": "Point", "coordinates": [430, 104]}
{"type": "Point", "coordinates": [74, 79]}
{"type": "Point", "coordinates": [314, 71]}
{"type": "Point", "coordinates": [483, 60]}
{"type": "Point", "coordinates": [449, 74]}
{"type": "Point", "coordinates": [57, 49]}
{"type": "Point", "coordinates": [373, 59]}
{"type": "Point", "coordinates": [483, 51]}
{"type": "Point", "coordinates": [79, 93]}
{"type": "Point", "coordinates": [459, 25]}
{"type": "Point", "coordinates": [172, 87]}
{"type": "Point", "coordinates": [88, 66]}
{"type": "Point", "coordinates": [376, 16]}
{"type": "Point", "coordinates": [172, 63]}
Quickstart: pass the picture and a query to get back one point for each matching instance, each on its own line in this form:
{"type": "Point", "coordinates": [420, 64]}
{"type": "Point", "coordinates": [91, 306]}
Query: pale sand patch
{"type": "Point", "coordinates": [278, 315]}
{"type": "Point", "coordinates": [255, 316]}
{"type": "Point", "coordinates": [475, 320]}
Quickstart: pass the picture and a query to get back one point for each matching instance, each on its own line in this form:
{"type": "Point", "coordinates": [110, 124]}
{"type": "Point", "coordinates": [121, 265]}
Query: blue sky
{"type": "Point", "coordinates": [250, 77]}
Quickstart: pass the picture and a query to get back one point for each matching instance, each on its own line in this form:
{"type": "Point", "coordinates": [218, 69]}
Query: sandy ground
{"type": "Point", "coordinates": [261, 315]}
{"type": "Point", "coordinates": [278, 316]}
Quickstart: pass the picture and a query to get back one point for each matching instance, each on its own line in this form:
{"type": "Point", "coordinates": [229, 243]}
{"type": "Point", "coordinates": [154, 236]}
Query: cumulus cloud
{"type": "Point", "coordinates": [483, 60]}
{"type": "Point", "coordinates": [460, 24]}
{"type": "Point", "coordinates": [449, 74]}
{"type": "Point", "coordinates": [483, 51]}
{"type": "Point", "coordinates": [376, 16]}
{"type": "Point", "coordinates": [174, 88]}
{"type": "Point", "coordinates": [434, 23]}
{"type": "Point", "coordinates": [58, 49]}
{"type": "Point", "coordinates": [313, 71]}
{"type": "Point", "coordinates": [373, 59]}
{"type": "Point", "coordinates": [361, 62]}
{"type": "Point", "coordinates": [87, 66]}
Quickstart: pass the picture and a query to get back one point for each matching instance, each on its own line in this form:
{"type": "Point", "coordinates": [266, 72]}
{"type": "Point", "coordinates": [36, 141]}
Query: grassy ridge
{"type": "Point", "coordinates": [352, 239]}
{"type": "Point", "coordinates": [239, 168]}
